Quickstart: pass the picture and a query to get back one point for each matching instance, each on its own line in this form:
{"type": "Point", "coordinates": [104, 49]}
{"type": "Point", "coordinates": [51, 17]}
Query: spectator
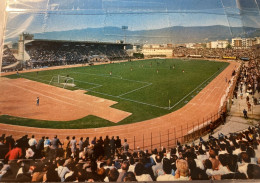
{"type": "Point", "coordinates": [32, 143]}
{"type": "Point", "coordinates": [40, 148]}
{"type": "Point", "coordinates": [66, 147]}
{"type": "Point", "coordinates": [122, 174]}
{"type": "Point", "coordinates": [140, 174]}
{"type": "Point", "coordinates": [55, 143]}
{"type": "Point", "coordinates": [158, 167]}
{"type": "Point", "coordinates": [113, 175]}
{"type": "Point", "coordinates": [14, 154]}
{"type": "Point", "coordinates": [125, 147]}
{"type": "Point", "coordinates": [73, 145]}
{"type": "Point", "coordinates": [182, 172]}
{"type": "Point", "coordinates": [167, 176]}
{"type": "Point", "coordinates": [130, 177]}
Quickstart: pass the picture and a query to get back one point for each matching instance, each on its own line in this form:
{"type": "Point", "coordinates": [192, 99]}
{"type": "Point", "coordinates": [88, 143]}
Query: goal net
{"type": "Point", "coordinates": [62, 81]}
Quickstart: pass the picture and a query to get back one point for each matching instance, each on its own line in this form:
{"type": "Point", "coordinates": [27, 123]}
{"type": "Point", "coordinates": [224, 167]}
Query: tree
{"type": "Point", "coordinates": [229, 46]}
{"type": "Point", "coordinates": [138, 55]}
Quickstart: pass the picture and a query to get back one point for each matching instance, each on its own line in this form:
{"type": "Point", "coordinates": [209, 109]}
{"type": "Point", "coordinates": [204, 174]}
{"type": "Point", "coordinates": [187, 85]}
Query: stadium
{"type": "Point", "coordinates": [107, 110]}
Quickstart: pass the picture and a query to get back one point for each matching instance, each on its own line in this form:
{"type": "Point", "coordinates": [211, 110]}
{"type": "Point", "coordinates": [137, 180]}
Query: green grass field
{"type": "Point", "coordinates": [143, 88]}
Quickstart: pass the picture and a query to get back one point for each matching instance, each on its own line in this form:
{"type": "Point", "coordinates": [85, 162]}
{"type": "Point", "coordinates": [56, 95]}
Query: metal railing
{"type": "Point", "coordinates": [186, 132]}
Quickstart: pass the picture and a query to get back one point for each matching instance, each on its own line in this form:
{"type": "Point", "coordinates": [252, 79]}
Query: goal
{"type": "Point", "coordinates": [62, 81]}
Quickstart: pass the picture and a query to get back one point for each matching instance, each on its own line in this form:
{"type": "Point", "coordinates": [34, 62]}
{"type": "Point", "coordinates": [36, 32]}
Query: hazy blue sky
{"type": "Point", "coordinates": [36, 16]}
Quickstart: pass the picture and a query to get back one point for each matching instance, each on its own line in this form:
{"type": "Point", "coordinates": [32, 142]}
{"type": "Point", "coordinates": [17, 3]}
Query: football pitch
{"type": "Point", "coordinates": [146, 88]}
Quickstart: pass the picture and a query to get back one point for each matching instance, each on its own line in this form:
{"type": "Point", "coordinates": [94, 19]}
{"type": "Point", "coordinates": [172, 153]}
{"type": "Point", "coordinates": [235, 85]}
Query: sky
{"type": "Point", "coordinates": [39, 16]}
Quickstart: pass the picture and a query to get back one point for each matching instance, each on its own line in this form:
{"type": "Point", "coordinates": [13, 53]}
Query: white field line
{"type": "Point", "coordinates": [135, 90]}
{"type": "Point", "coordinates": [115, 77]}
{"type": "Point", "coordinates": [124, 98]}
{"type": "Point", "coordinates": [194, 89]}
{"type": "Point", "coordinates": [148, 84]}
{"type": "Point", "coordinates": [63, 96]}
{"type": "Point", "coordinates": [35, 92]}
{"type": "Point", "coordinates": [37, 79]}
{"type": "Point", "coordinates": [89, 83]}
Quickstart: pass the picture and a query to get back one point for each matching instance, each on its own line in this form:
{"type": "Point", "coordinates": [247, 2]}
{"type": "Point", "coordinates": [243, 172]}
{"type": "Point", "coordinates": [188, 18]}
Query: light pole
{"type": "Point", "coordinates": [124, 28]}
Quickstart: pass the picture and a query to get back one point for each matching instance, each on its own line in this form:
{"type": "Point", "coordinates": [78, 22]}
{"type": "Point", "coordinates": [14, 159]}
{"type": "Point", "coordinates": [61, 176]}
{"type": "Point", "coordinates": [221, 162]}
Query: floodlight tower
{"type": "Point", "coordinates": [124, 28]}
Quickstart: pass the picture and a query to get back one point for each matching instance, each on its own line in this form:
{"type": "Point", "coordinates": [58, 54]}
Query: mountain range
{"type": "Point", "coordinates": [176, 34]}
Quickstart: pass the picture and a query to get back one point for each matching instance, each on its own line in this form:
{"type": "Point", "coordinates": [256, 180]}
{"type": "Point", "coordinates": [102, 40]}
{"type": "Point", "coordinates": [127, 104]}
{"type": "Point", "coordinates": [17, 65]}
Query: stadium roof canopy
{"type": "Point", "coordinates": [136, 21]}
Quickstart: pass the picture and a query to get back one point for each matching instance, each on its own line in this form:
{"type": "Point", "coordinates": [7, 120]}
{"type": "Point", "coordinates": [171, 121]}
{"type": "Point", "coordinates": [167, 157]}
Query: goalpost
{"type": "Point", "coordinates": [62, 81]}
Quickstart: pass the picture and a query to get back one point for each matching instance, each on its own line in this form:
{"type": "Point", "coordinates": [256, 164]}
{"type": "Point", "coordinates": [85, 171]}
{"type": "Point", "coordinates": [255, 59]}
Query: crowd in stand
{"type": "Point", "coordinates": [69, 53]}
{"type": "Point", "coordinates": [249, 83]}
{"type": "Point", "coordinates": [213, 52]}
{"type": "Point", "coordinates": [8, 57]}
{"type": "Point", "coordinates": [236, 156]}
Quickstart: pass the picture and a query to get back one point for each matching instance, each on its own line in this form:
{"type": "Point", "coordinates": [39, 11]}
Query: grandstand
{"type": "Point", "coordinates": [9, 62]}
{"type": "Point", "coordinates": [53, 52]}
{"type": "Point", "coordinates": [216, 53]}
{"type": "Point", "coordinates": [8, 57]}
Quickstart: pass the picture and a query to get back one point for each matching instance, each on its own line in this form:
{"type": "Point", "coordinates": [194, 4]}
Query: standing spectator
{"type": "Point", "coordinates": [47, 144]}
{"type": "Point", "coordinates": [73, 146]}
{"type": "Point", "coordinates": [112, 145]}
{"type": "Point", "coordinates": [37, 101]}
{"type": "Point", "coordinates": [66, 147]}
{"type": "Point", "coordinates": [81, 144]}
{"type": "Point", "coordinates": [245, 114]}
{"type": "Point", "coordinates": [249, 106]}
{"type": "Point", "coordinates": [94, 141]}
{"type": "Point", "coordinates": [101, 141]}
{"type": "Point", "coordinates": [32, 143]}
{"type": "Point", "coordinates": [118, 143]}
{"type": "Point", "coordinates": [55, 143]}
{"type": "Point", "coordinates": [15, 153]}
{"type": "Point", "coordinates": [10, 142]}
{"type": "Point", "coordinates": [125, 147]}
{"type": "Point", "coordinates": [40, 147]}
{"type": "Point", "coordinates": [107, 146]}
{"type": "Point", "coordinates": [211, 127]}
{"type": "Point", "coordinates": [86, 142]}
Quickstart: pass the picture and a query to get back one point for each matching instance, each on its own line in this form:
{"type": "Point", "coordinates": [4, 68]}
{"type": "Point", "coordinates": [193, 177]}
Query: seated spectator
{"type": "Point", "coordinates": [124, 169]}
{"type": "Point", "coordinates": [212, 158]}
{"type": "Point", "coordinates": [253, 171]}
{"type": "Point", "coordinates": [159, 166]}
{"type": "Point", "coordinates": [24, 175]}
{"type": "Point", "coordinates": [132, 164]}
{"type": "Point", "coordinates": [130, 177]}
{"type": "Point", "coordinates": [113, 175]}
{"type": "Point", "coordinates": [62, 170]}
{"type": "Point", "coordinates": [4, 168]}
{"type": "Point", "coordinates": [182, 172]}
{"type": "Point", "coordinates": [242, 167]}
{"type": "Point", "coordinates": [51, 174]}
{"type": "Point", "coordinates": [39, 172]}
{"type": "Point", "coordinates": [167, 176]}
{"type": "Point", "coordinates": [140, 174]}
{"type": "Point", "coordinates": [208, 167]}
